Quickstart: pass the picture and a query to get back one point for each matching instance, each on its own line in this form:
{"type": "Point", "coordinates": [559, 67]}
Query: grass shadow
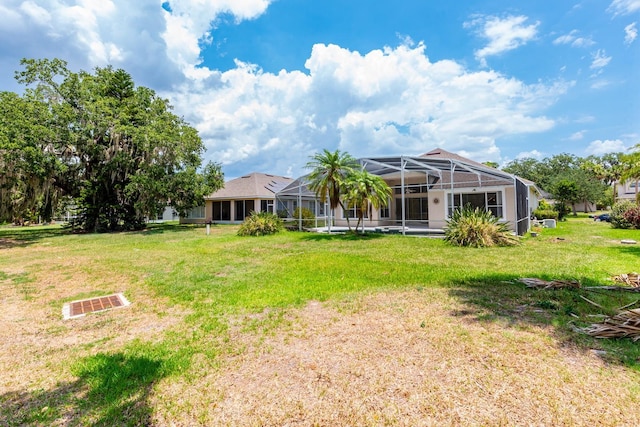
{"type": "Point", "coordinates": [14, 236]}
{"type": "Point", "coordinates": [348, 236]}
{"type": "Point", "coordinates": [111, 389]}
{"type": "Point", "coordinates": [501, 298]}
{"type": "Point", "coordinates": [628, 249]}
{"type": "Point", "coordinates": [18, 236]}
{"type": "Point", "coordinates": [161, 228]}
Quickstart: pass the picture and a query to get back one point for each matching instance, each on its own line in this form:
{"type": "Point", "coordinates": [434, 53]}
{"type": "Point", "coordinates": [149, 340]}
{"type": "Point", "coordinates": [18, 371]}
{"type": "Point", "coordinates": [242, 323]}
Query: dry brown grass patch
{"type": "Point", "coordinates": [37, 345]}
{"type": "Point", "coordinates": [402, 358]}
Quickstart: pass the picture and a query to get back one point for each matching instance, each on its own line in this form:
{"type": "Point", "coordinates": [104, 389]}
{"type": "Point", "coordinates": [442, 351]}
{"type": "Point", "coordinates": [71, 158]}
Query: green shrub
{"type": "Point", "coordinates": [477, 228]}
{"type": "Point", "coordinates": [260, 224]}
{"type": "Point", "coordinates": [617, 214]}
{"type": "Point", "coordinates": [632, 216]}
{"type": "Point", "coordinates": [562, 210]}
{"type": "Point", "coordinates": [544, 205]}
{"type": "Point", "coordinates": [308, 218]}
{"type": "Point", "coordinates": [545, 214]}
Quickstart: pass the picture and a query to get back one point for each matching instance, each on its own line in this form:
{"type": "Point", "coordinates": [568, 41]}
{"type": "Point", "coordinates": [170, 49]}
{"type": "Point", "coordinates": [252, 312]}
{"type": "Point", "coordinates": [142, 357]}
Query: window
{"type": "Point", "coordinates": [490, 201]}
{"type": "Point", "coordinates": [243, 209]}
{"type": "Point", "coordinates": [494, 204]}
{"type": "Point", "coordinates": [222, 211]}
{"type": "Point", "coordinates": [415, 208]}
{"type": "Point", "coordinates": [353, 213]}
{"type": "Point", "coordinates": [196, 213]}
{"type": "Point", "coordinates": [385, 211]}
{"type": "Point", "coordinates": [283, 209]}
{"type": "Point", "coordinates": [266, 206]}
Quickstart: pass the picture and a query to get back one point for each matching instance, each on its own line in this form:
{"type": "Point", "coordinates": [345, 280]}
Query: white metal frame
{"type": "Point", "coordinates": [449, 174]}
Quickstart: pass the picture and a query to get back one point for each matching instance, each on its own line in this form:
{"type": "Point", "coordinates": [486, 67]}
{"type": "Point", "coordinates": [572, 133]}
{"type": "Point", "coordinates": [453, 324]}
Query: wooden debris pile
{"type": "Point", "coordinates": [533, 282]}
{"type": "Point", "coordinates": [631, 279]}
{"type": "Point", "coordinates": [624, 324]}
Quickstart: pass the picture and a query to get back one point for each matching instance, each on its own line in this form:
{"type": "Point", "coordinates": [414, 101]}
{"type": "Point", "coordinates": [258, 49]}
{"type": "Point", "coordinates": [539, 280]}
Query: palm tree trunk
{"type": "Point", "coordinates": [346, 214]}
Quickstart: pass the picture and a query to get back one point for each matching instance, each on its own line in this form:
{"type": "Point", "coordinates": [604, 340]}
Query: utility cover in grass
{"type": "Point", "coordinates": [75, 309]}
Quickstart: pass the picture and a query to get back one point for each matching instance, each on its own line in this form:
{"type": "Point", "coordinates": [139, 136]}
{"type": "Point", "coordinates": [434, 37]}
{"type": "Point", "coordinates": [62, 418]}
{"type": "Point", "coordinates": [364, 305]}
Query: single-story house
{"type": "Point", "coordinates": [627, 190]}
{"type": "Point", "coordinates": [235, 201]}
{"type": "Point", "coordinates": [427, 188]}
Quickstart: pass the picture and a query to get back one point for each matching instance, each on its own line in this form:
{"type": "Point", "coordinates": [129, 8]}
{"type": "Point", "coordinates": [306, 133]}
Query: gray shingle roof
{"type": "Point", "coordinates": [253, 186]}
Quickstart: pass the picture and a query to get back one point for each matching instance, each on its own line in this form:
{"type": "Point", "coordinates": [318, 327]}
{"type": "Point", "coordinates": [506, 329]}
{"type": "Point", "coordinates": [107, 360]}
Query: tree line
{"type": "Point", "coordinates": [111, 150]}
{"type": "Point", "coordinates": [572, 180]}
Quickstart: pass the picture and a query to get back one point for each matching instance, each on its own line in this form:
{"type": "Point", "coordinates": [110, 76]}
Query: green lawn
{"type": "Point", "coordinates": [197, 286]}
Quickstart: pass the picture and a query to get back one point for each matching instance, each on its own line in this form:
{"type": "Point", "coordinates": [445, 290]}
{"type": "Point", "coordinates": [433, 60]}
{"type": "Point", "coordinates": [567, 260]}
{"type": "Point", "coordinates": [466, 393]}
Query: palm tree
{"type": "Point", "coordinates": [329, 171]}
{"type": "Point", "coordinates": [366, 191]}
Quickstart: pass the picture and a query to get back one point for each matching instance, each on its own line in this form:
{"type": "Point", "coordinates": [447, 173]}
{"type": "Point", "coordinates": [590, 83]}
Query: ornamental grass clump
{"type": "Point", "coordinates": [477, 228]}
{"type": "Point", "coordinates": [260, 224]}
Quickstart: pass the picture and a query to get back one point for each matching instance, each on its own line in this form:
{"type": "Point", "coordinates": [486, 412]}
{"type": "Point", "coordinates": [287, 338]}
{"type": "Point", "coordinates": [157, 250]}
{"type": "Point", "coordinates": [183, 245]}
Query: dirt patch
{"type": "Point", "coordinates": [400, 358]}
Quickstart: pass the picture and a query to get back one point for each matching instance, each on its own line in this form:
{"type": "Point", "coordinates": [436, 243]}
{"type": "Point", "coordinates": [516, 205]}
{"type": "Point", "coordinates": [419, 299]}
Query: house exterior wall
{"type": "Point", "coordinates": [168, 214]}
{"type": "Point", "coordinates": [628, 190]}
{"type": "Point", "coordinates": [509, 206]}
{"type": "Point", "coordinates": [232, 209]}
{"type": "Point", "coordinates": [438, 207]}
{"type": "Point", "coordinates": [195, 220]}
{"type": "Point", "coordinates": [584, 207]}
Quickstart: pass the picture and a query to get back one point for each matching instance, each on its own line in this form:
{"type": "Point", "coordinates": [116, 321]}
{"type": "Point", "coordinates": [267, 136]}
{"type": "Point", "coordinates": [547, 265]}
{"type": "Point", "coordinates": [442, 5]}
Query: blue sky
{"type": "Point", "coordinates": [268, 83]}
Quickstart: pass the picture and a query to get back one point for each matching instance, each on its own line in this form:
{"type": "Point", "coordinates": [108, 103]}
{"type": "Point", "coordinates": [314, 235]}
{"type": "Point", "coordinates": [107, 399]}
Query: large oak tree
{"type": "Point", "coordinates": [115, 149]}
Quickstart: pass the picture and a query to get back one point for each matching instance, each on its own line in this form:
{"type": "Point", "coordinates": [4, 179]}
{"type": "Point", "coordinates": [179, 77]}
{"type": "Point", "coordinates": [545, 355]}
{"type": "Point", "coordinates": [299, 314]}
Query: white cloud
{"type": "Point", "coordinates": [90, 33]}
{"type": "Point", "coordinates": [599, 147]}
{"type": "Point", "coordinates": [577, 136]}
{"type": "Point", "coordinates": [503, 34]}
{"type": "Point", "coordinates": [38, 14]}
{"type": "Point", "coordinates": [387, 101]}
{"type": "Point", "coordinates": [630, 33]}
{"type": "Point", "coordinates": [159, 48]}
{"type": "Point", "coordinates": [189, 23]}
{"type": "Point", "coordinates": [600, 84]}
{"type": "Point", "coordinates": [600, 60]}
{"type": "Point", "coordinates": [586, 119]}
{"type": "Point", "coordinates": [623, 7]}
{"type": "Point", "coordinates": [533, 154]}
{"type": "Point", "coordinates": [573, 40]}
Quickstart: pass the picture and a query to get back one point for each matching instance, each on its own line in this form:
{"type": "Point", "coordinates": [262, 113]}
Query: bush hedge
{"type": "Point", "coordinates": [618, 214]}
{"type": "Point", "coordinates": [308, 218]}
{"type": "Point", "coordinates": [260, 224]}
{"type": "Point", "coordinates": [545, 214]}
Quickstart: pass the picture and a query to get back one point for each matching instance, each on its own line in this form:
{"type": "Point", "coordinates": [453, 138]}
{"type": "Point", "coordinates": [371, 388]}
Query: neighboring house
{"type": "Point", "coordinates": [235, 201]}
{"type": "Point", "coordinates": [427, 188]}
{"type": "Point", "coordinates": [584, 207]}
{"type": "Point", "coordinates": [627, 190]}
{"type": "Point", "coordinates": [168, 214]}
{"type": "Point", "coordinates": [576, 207]}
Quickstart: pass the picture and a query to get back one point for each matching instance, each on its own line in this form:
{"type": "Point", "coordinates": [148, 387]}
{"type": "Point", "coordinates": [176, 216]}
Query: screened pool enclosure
{"type": "Point", "coordinates": [425, 191]}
